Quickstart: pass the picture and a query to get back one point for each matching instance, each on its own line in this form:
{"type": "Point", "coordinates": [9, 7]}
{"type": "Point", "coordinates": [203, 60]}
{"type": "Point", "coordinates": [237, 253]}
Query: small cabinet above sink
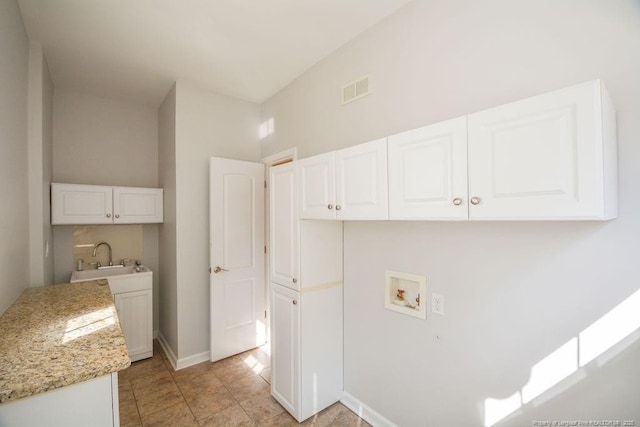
{"type": "Point", "coordinates": [99, 204]}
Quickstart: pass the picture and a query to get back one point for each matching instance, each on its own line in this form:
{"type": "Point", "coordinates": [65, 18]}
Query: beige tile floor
{"type": "Point", "coordinates": [232, 392]}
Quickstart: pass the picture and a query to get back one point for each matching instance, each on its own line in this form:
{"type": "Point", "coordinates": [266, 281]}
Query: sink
{"type": "Point", "coordinates": [79, 276]}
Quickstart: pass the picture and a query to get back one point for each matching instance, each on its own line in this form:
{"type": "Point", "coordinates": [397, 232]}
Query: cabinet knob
{"type": "Point", "coordinates": [338, 207]}
{"type": "Point", "coordinates": [295, 280]}
{"type": "Point", "coordinates": [457, 201]}
{"type": "Point", "coordinates": [475, 200]}
{"type": "Point", "coordinates": [295, 302]}
{"type": "Point", "coordinates": [329, 206]}
{"type": "Point", "coordinates": [117, 215]}
{"type": "Point", "coordinates": [108, 215]}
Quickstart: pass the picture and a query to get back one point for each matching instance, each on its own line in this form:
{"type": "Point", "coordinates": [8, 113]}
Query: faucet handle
{"type": "Point", "coordinates": [96, 263]}
{"type": "Point", "coordinates": [125, 261]}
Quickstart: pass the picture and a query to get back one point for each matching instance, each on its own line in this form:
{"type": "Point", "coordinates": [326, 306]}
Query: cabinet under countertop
{"type": "Point", "coordinates": [57, 336]}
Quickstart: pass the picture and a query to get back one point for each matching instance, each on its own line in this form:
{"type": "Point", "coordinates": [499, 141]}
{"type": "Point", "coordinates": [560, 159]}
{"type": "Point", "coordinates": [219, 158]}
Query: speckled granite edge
{"type": "Point", "coordinates": [59, 335]}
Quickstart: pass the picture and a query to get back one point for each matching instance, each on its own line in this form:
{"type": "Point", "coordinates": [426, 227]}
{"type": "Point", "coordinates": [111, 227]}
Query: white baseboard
{"type": "Point", "coordinates": [185, 362]}
{"type": "Point", "coordinates": [365, 412]}
{"type": "Point", "coordinates": [167, 350]}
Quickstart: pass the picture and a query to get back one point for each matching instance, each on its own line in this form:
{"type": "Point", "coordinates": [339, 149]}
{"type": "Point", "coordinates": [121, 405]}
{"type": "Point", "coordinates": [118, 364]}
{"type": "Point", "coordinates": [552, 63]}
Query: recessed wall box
{"type": "Point", "coordinates": [406, 293]}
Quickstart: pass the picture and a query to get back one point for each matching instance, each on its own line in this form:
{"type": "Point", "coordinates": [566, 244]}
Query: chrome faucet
{"type": "Point", "coordinates": [95, 248]}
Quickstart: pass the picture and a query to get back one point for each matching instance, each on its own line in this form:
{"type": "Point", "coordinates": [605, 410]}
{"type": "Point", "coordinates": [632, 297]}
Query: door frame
{"type": "Point", "coordinates": [285, 156]}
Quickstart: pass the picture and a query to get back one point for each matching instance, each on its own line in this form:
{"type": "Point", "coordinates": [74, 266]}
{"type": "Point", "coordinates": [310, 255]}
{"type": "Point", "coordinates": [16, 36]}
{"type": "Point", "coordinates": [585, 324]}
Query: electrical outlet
{"type": "Point", "coordinates": [437, 304]}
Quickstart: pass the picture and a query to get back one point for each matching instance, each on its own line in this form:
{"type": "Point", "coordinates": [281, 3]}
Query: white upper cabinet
{"type": "Point", "coordinates": [283, 226]}
{"type": "Point", "coordinates": [317, 187]}
{"type": "Point", "coordinates": [137, 205]}
{"type": "Point", "coordinates": [81, 204]}
{"type": "Point", "coordinates": [346, 184]}
{"type": "Point", "coordinates": [97, 204]}
{"type": "Point", "coordinates": [428, 172]}
{"type": "Point", "coordinates": [548, 157]}
{"type": "Point", "coordinates": [361, 181]}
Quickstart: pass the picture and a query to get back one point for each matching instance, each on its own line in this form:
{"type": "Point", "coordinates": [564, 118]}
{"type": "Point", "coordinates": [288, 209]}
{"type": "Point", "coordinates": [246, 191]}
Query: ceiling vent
{"type": "Point", "coordinates": [356, 90]}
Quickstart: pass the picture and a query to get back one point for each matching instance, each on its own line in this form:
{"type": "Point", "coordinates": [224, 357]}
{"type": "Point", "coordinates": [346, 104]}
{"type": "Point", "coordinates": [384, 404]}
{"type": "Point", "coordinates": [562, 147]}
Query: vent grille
{"type": "Point", "coordinates": [356, 90]}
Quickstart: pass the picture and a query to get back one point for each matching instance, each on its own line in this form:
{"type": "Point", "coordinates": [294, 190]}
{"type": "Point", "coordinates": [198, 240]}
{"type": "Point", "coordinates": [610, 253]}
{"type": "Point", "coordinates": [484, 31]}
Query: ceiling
{"type": "Point", "coordinates": [135, 49]}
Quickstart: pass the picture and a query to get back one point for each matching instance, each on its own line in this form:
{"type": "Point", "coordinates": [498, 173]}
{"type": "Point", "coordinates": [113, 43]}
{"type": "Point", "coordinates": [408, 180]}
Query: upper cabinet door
{"type": "Point", "coordinates": [81, 204]}
{"type": "Point", "coordinates": [361, 181]}
{"type": "Point", "coordinates": [317, 187]}
{"type": "Point", "coordinates": [544, 157]}
{"type": "Point", "coordinates": [428, 172]}
{"type": "Point", "coordinates": [137, 205]}
{"type": "Point", "coordinates": [283, 226]}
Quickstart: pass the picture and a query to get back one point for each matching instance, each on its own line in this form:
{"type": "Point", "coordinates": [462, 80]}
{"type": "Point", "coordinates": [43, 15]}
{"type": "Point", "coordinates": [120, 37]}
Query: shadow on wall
{"type": "Point", "coordinates": [565, 367]}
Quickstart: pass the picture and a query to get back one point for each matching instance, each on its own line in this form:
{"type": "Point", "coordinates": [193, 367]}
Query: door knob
{"type": "Point", "coordinates": [338, 207]}
{"type": "Point", "coordinates": [457, 201]}
{"type": "Point", "coordinates": [218, 269]}
{"type": "Point", "coordinates": [329, 206]}
{"type": "Point", "coordinates": [475, 200]}
{"type": "Point", "coordinates": [295, 302]}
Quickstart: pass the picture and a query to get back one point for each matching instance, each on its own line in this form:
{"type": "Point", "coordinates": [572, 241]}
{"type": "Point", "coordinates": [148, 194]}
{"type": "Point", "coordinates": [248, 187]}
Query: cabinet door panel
{"type": "Point", "coordinates": [285, 347]}
{"type": "Point", "coordinates": [361, 181]}
{"type": "Point", "coordinates": [135, 314]}
{"type": "Point", "coordinates": [428, 172]}
{"type": "Point", "coordinates": [317, 187]}
{"type": "Point", "coordinates": [539, 158]}
{"type": "Point", "coordinates": [137, 205]}
{"type": "Point", "coordinates": [81, 204]}
{"type": "Point", "coordinates": [283, 226]}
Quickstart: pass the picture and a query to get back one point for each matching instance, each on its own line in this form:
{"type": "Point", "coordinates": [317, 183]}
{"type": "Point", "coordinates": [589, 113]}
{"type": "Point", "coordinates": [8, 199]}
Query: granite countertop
{"type": "Point", "coordinates": [54, 336]}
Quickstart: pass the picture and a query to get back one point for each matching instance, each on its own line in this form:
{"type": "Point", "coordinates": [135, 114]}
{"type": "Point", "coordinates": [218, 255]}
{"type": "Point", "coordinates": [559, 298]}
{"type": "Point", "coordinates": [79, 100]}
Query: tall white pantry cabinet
{"type": "Point", "coordinates": [305, 264]}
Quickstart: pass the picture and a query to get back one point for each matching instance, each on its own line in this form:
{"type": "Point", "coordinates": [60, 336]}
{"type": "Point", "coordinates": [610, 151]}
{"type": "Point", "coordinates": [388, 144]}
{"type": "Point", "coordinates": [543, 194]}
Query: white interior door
{"type": "Point", "coordinates": [237, 286]}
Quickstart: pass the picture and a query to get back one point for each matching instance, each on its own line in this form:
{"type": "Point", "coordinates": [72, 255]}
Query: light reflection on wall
{"type": "Point", "coordinates": [566, 360]}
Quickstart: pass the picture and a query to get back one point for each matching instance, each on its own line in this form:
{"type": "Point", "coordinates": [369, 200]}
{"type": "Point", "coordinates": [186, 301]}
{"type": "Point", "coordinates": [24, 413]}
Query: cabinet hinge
{"type": "Point", "coordinates": [265, 314]}
{"type": "Point", "coordinates": [265, 249]}
{"type": "Point", "coordinates": [265, 184]}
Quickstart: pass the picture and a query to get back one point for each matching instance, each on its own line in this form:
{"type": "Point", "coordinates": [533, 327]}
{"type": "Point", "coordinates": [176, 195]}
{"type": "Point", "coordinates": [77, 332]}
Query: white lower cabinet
{"type": "Point", "coordinates": [306, 348]}
{"type": "Point", "coordinates": [135, 311]}
{"type": "Point", "coordinates": [89, 403]}
{"type": "Point", "coordinates": [133, 298]}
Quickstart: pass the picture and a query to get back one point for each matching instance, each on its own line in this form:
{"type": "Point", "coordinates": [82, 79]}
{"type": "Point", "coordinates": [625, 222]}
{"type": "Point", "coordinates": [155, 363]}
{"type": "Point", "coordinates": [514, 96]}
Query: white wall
{"type": "Point", "coordinates": [514, 292]}
{"type": "Point", "coordinates": [207, 124]}
{"type": "Point", "coordinates": [104, 142]}
{"type": "Point", "coordinates": [40, 134]}
{"type": "Point", "coordinates": [168, 289]}
{"type": "Point", "coordinates": [14, 209]}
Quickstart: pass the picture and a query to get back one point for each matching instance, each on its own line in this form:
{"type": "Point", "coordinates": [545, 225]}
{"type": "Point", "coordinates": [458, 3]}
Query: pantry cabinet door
{"type": "Point", "coordinates": [539, 158]}
{"type": "Point", "coordinates": [361, 181]}
{"type": "Point", "coordinates": [283, 226]}
{"type": "Point", "coordinates": [317, 191]}
{"type": "Point", "coordinates": [285, 348]}
{"type": "Point", "coordinates": [428, 172]}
